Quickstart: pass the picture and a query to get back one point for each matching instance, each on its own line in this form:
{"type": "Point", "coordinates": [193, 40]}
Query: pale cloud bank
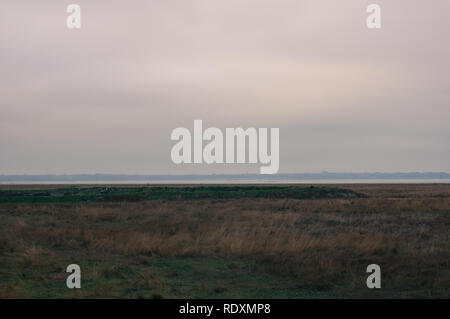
{"type": "Point", "coordinates": [105, 98]}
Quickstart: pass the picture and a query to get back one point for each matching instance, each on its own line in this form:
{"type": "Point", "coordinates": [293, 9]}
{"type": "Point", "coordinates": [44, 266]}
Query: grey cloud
{"type": "Point", "coordinates": [105, 98]}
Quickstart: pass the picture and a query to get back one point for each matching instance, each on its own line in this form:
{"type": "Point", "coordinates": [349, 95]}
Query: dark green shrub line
{"type": "Point", "coordinates": [82, 194]}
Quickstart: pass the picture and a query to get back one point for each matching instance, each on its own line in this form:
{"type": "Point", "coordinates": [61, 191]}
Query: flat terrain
{"type": "Point", "coordinates": [129, 194]}
{"type": "Point", "coordinates": [287, 241]}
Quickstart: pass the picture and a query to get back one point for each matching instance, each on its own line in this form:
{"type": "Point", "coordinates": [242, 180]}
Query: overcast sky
{"type": "Point", "coordinates": [105, 98]}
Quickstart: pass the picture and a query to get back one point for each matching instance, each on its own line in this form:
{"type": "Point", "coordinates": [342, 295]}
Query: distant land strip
{"type": "Point", "coordinates": [220, 177]}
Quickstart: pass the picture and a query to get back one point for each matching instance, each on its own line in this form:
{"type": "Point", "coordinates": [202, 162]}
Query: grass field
{"type": "Point", "coordinates": [225, 242]}
{"type": "Point", "coordinates": [105, 194]}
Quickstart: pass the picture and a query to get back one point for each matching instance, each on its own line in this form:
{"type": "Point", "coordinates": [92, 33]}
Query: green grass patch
{"type": "Point", "coordinates": [148, 277]}
{"type": "Point", "coordinates": [83, 194]}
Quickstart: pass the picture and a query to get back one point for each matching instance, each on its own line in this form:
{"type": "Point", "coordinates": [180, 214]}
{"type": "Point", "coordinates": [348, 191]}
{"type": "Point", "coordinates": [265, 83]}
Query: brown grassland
{"type": "Point", "coordinates": [227, 248]}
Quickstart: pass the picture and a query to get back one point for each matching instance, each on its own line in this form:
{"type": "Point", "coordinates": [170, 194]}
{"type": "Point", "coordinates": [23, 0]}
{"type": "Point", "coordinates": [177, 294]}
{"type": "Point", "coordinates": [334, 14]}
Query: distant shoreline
{"type": "Point", "coordinates": [304, 178]}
